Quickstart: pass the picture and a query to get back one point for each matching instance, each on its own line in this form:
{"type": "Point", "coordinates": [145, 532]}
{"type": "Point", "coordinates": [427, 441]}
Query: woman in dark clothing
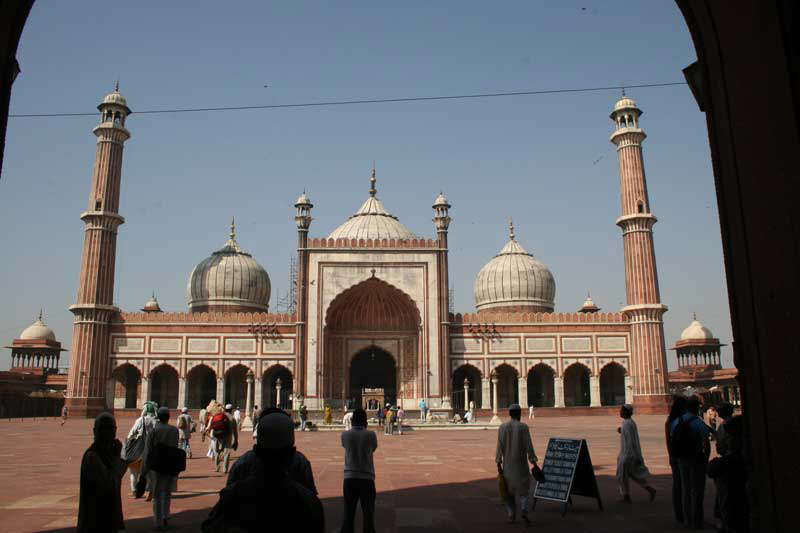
{"type": "Point", "coordinates": [677, 410]}
{"type": "Point", "coordinates": [100, 502]}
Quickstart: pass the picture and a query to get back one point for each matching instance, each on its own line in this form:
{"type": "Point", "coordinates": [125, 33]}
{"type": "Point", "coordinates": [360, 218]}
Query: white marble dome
{"type": "Point", "coordinates": [229, 278]}
{"type": "Point", "coordinates": [38, 331]}
{"type": "Point", "coordinates": [696, 331]}
{"type": "Point", "coordinates": [514, 278]}
{"type": "Point", "coordinates": [625, 103]}
{"type": "Point", "coordinates": [372, 221]}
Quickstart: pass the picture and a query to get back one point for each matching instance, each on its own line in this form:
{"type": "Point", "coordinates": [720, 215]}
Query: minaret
{"type": "Point", "coordinates": [90, 367]}
{"type": "Point", "coordinates": [644, 310]}
{"type": "Point", "coordinates": [441, 210]}
{"type": "Point", "coordinates": [303, 219]}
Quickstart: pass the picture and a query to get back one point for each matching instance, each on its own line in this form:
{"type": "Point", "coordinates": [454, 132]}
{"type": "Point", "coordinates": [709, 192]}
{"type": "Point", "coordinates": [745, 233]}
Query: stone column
{"type": "Point", "coordinates": [628, 390]}
{"type": "Point", "coordinates": [466, 395]}
{"type": "Point", "coordinates": [558, 391]}
{"type": "Point", "coordinates": [221, 390]}
{"type": "Point", "coordinates": [278, 393]}
{"type": "Point", "coordinates": [522, 392]}
{"type": "Point", "coordinates": [247, 423]}
{"type": "Point", "coordinates": [594, 391]}
{"type": "Point", "coordinates": [485, 394]}
{"type": "Point", "coordinates": [145, 391]}
{"type": "Point", "coordinates": [258, 393]}
{"type": "Point", "coordinates": [181, 393]}
{"type": "Point", "coordinates": [495, 418]}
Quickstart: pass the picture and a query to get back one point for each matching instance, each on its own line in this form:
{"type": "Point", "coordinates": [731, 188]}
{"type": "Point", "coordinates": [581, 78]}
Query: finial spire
{"type": "Point", "coordinates": [116, 85]}
{"type": "Point", "coordinates": [623, 90]}
{"type": "Point", "coordinates": [511, 228]}
{"type": "Point", "coordinates": [40, 314]}
{"type": "Point", "coordinates": [372, 190]}
{"type": "Point", "coordinates": [233, 228]}
{"type": "Point", "coordinates": [694, 315]}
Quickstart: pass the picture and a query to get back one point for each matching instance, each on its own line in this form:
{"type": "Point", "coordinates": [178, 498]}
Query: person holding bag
{"type": "Point", "coordinates": [514, 451]}
{"type": "Point", "coordinates": [133, 451]}
{"type": "Point", "coordinates": [162, 463]}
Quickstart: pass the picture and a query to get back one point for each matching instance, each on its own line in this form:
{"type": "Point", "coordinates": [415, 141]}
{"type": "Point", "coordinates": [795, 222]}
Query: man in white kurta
{"type": "Point", "coordinates": [514, 451]}
{"type": "Point", "coordinates": [630, 463]}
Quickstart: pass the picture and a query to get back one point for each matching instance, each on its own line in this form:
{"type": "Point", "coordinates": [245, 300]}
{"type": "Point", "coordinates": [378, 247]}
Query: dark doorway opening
{"type": "Point", "coordinates": [373, 368]}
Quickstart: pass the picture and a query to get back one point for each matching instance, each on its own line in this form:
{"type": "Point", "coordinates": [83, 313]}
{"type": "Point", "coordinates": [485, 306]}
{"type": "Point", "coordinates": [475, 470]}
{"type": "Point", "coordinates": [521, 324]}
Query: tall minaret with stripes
{"type": "Point", "coordinates": [644, 309]}
{"type": "Point", "coordinates": [90, 366]}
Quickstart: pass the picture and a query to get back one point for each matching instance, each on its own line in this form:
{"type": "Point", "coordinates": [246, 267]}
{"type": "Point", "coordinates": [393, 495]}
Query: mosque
{"type": "Point", "coordinates": [372, 314]}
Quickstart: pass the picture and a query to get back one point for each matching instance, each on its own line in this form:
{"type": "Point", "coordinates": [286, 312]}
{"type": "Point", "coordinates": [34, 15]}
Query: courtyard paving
{"type": "Point", "coordinates": [426, 480]}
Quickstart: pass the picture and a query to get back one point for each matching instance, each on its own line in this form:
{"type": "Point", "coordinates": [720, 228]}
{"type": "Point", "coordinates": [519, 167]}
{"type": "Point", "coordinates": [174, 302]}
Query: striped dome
{"type": "Point", "coordinates": [229, 278]}
{"type": "Point", "coordinates": [514, 278]}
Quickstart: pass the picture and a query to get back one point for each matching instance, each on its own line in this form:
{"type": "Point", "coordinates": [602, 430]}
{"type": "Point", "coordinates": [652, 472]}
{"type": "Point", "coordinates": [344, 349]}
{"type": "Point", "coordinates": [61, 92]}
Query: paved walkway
{"type": "Point", "coordinates": [427, 480]}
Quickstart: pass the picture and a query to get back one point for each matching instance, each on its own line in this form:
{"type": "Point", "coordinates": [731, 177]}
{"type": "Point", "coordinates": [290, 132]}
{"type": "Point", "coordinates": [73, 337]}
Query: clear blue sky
{"type": "Point", "coordinates": [185, 175]}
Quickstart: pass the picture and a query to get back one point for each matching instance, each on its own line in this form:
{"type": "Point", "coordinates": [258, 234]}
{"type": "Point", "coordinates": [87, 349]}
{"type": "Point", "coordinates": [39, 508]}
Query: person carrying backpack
{"type": "Point", "coordinates": [222, 427]}
{"type": "Point", "coordinates": [689, 444]}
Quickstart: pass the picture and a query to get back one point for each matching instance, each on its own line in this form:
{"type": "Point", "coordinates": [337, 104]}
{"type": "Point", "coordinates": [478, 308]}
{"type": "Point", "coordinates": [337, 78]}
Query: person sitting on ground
{"type": "Point", "coordinates": [514, 450]}
{"type": "Point", "coordinates": [469, 417]}
{"type": "Point", "coordinates": [630, 462]}
{"type": "Point", "coordinates": [359, 445]}
{"type": "Point", "coordinates": [300, 469]}
{"type": "Point", "coordinates": [456, 418]}
{"type": "Point", "coordinates": [267, 498]}
{"type": "Point", "coordinates": [100, 501]}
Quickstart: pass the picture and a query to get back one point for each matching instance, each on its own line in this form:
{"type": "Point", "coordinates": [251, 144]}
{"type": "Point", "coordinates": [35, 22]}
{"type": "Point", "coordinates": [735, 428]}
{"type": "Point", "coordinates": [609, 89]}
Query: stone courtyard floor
{"type": "Point", "coordinates": [426, 480]}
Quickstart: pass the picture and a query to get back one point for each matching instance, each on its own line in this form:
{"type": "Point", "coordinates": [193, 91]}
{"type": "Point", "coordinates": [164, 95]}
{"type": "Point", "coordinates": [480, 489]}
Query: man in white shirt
{"type": "Point", "coordinates": [514, 450]}
{"type": "Point", "coordinates": [237, 415]}
{"type": "Point", "coordinates": [359, 473]}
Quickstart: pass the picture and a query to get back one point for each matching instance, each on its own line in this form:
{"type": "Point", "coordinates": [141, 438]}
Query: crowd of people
{"type": "Point", "coordinates": [275, 476]}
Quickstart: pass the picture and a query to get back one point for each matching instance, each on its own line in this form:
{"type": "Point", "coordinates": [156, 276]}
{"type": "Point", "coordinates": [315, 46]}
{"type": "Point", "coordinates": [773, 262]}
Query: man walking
{"type": "Point", "coordinates": [303, 413]}
{"type": "Point", "coordinates": [401, 417]}
{"type": "Point", "coordinates": [237, 416]}
{"type": "Point", "coordinates": [64, 414]}
{"type": "Point", "coordinates": [514, 450]}
{"type": "Point", "coordinates": [185, 428]}
{"type": "Point", "coordinates": [630, 462]}
{"type": "Point", "coordinates": [161, 484]}
{"type": "Point", "coordinates": [423, 410]}
{"type": "Point", "coordinates": [689, 442]}
{"type": "Point", "coordinates": [359, 473]}
{"type": "Point", "coordinates": [222, 427]}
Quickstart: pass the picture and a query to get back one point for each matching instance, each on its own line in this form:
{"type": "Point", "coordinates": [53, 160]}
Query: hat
{"type": "Point", "coordinates": [184, 410]}
{"type": "Point", "coordinates": [228, 407]}
{"type": "Point", "coordinates": [275, 431]}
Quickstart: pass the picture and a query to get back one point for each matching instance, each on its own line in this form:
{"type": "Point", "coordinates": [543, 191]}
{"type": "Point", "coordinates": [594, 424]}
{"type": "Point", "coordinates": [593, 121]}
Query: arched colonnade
{"type": "Point", "coordinates": [543, 386]}
{"type": "Point", "coordinates": [166, 386]}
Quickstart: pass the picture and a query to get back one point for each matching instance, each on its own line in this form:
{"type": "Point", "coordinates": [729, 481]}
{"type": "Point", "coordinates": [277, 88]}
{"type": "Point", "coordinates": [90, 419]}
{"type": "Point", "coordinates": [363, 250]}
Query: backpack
{"type": "Point", "coordinates": [181, 422]}
{"type": "Point", "coordinates": [219, 425]}
{"type": "Point", "coordinates": [682, 443]}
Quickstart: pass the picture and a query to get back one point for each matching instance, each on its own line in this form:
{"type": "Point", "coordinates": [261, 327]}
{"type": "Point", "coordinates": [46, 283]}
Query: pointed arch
{"type": "Point", "coordinates": [541, 385]}
{"type": "Point", "coordinates": [576, 385]}
{"type": "Point", "coordinates": [127, 386]}
{"type": "Point", "coordinates": [164, 385]}
{"type": "Point", "coordinates": [372, 305]}
{"type": "Point", "coordinates": [612, 384]}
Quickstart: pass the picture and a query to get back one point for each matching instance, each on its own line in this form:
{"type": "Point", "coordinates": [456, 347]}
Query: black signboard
{"type": "Point", "coordinates": [567, 471]}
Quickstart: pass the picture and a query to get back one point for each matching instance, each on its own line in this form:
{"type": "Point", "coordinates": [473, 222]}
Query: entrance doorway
{"type": "Point", "coordinates": [373, 368]}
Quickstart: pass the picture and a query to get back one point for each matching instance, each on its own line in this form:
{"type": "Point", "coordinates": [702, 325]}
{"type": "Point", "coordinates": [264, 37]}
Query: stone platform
{"type": "Point", "coordinates": [427, 481]}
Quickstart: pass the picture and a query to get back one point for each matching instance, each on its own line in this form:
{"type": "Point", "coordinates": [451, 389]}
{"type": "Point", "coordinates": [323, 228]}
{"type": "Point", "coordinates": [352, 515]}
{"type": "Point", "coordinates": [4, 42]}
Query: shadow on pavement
{"type": "Point", "coordinates": [475, 507]}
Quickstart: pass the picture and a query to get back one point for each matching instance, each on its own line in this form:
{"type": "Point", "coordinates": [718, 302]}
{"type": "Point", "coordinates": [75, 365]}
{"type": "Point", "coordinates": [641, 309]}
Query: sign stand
{"type": "Point", "coordinates": [567, 470]}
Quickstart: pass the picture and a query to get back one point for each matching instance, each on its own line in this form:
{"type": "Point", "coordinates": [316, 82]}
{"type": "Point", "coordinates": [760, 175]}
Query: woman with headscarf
{"type": "Point", "coordinates": [143, 425]}
{"type": "Point", "coordinates": [100, 502]}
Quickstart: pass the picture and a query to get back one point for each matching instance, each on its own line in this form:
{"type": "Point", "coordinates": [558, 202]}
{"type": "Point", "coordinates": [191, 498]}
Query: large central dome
{"type": "Point", "coordinates": [229, 280]}
{"type": "Point", "coordinates": [372, 221]}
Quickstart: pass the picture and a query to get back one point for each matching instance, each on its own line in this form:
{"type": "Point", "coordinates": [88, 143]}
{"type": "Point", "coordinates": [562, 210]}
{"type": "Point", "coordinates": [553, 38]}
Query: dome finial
{"type": "Point", "coordinates": [372, 190]}
{"type": "Point", "coordinates": [233, 228]}
{"type": "Point", "coordinates": [623, 91]}
{"type": "Point", "coordinates": [116, 86]}
{"type": "Point", "coordinates": [40, 314]}
{"type": "Point", "coordinates": [694, 315]}
{"type": "Point", "coordinates": [511, 228]}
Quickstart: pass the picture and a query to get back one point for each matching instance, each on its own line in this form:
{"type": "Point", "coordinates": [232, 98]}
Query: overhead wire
{"type": "Point", "coordinates": [364, 101]}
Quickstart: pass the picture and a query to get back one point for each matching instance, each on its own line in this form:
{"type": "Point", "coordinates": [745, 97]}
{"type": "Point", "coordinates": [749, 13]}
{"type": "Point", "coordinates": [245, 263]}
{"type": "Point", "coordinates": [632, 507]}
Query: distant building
{"type": "Point", "coordinates": [33, 386]}
{"type": "Point", "coordinates": [700, 369]}
{"type": "Point", "coordinates": [371, 313]}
